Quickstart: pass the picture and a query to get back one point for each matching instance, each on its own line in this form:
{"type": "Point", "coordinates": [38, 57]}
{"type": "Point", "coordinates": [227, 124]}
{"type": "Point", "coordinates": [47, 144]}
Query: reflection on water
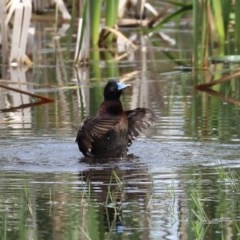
{"type": "Point", "coordinates": [170, 191]}
{"type": "Point", "coordinates": [144, 198]}
{"type": "Point", "coordinates": [183, 185]}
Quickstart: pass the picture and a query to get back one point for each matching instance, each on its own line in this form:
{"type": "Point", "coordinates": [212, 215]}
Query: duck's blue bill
{"type": "Point", "coordinates": [122, 86]}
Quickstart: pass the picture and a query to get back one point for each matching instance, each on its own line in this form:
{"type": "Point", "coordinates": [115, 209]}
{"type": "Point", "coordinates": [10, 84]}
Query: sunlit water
{"type": "Point", "coordinates": [182, 182]}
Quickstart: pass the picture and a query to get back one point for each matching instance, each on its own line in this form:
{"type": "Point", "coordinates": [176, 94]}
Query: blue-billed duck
{"type": "Point", "coordinates": [110, 132]}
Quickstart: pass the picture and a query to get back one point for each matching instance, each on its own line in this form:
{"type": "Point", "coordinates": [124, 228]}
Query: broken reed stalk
{"type": "Point", "coordinates": [4, 42]}
{"type": "Point", "coordinates": [22, 18]}
{"type": "Point", "coordinates": [204, 86]}
{"type": "Point", "coordinates": [46, 99]}
{"type": "Point", "coordinates": [120, 35]}
{"type": "Point", "coordinates": [224, 98]}
{"type": "Point", "coordinates": [83, 34]}
{"type": "Point", "coordinates": [43, 99]}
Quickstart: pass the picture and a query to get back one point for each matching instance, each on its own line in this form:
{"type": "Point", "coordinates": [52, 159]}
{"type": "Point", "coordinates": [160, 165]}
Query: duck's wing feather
{"type": "Point", "coordinates": [138, 119]}
{"type": "Point", "coordinates": [91, 128]}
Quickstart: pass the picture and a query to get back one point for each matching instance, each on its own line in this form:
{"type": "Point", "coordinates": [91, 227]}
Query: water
{"type": "Point", "coordinates": [182, 184]}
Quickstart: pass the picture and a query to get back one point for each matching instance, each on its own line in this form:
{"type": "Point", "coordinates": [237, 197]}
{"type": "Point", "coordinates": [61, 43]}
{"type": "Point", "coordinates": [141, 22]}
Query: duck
{"type": "Point", "coordinates": [110, 132]}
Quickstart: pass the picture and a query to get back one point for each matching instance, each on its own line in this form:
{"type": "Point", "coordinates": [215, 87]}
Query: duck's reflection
{"type": "Point", "coordinates": [121, 191]}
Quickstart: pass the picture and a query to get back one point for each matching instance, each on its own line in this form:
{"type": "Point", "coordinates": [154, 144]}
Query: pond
{"type": "Point", "coordinates": [183, 182]}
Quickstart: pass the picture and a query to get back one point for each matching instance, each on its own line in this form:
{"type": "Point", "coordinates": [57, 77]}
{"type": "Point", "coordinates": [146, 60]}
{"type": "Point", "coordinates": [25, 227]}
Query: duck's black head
{"type": "Point", "coordinates": [113, 90]}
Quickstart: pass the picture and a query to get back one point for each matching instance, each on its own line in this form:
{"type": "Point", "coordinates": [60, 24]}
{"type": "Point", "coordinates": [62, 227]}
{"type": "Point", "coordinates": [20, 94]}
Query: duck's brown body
{"type": "Point", "coordinates": [111, 131]}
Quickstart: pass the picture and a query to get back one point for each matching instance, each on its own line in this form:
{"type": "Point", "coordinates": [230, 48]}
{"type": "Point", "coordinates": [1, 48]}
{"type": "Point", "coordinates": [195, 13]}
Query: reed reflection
{"type": "Point", "coordinates": [121, 193]}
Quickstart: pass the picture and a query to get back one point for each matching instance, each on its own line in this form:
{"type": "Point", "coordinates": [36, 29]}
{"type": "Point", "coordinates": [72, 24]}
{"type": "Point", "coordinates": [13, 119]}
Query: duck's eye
{"type": "Point", "coordinates": [112, 88]}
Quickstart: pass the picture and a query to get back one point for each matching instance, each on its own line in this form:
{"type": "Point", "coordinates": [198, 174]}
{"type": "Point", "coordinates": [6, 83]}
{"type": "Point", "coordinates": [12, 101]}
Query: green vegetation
{"type": "Point", "coordinates": [214, 37]}
{"type": "Point", "coordinates": [204, 214]}
{"type": "Point", "coordinates": [18, 222]}
{"type": "Point", "coordinates": [96, 206]}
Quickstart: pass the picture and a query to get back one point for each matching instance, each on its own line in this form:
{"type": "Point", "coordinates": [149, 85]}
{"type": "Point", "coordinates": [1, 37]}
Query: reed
{"type": "Point", "coordinates": [230, 178]}
{"type": "Point", "coordinates": [83, 35]}
{"type": "Point", "coordinates": [212, 34]}
{"type": "Point", "coordinates": [4, 42]}
{"type": "Point", "coordinates": [94, 8]}
{"type": "Point", "coordinates": [20, 221]}
{"type": "Point", "coordinates": [112, 71]}
{"type": "Point", "coordinates": [217, 10]}
{"type": "Point", "coordinates": [95, 76]}
{"type": "Point", "coordinates": [199, 33]}
{"type": "Point", "coordinates": [20, 33]}
{"type": "Point", "coordinates": [114, 188]}
{"type": "Point", "coordinates": [198, 209]}
{"type": "Point", "coordinates": [15, 17]}
{"type": "Point", "coordinates": [111, 20]}
{"type": "Point", "coordinates": [70, 35]}
{"type": "Point", "coordinates": [237, 25]}
{"type": "Point", "coordinates": [180, 9]}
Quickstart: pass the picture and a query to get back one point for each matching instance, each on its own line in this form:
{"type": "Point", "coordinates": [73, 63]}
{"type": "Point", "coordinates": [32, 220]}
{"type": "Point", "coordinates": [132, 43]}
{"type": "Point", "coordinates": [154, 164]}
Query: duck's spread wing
{"type": "Point", "coordinates": [91, 128]}
{"type": "Point", "coordinates": [138, 119]}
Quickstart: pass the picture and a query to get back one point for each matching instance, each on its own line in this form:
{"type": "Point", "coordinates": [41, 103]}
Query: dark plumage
{"type": "Point", "coordinates": [111, 130]}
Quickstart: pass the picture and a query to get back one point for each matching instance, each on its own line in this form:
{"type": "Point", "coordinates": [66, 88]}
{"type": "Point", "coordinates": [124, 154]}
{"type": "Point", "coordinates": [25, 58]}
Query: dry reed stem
{"type": "Point", "coordinates": [119, 34]}
{"type": "Point", "coordinates": [27, 93]}
{"type": "Point", "coordinates": [224, 98]}
{"type": "Point", "coordinates": [43, 99]}
{"type": "Point", "coordinates": [205, 86]}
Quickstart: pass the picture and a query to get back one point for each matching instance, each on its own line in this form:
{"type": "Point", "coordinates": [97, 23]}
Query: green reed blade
{"type": "Point", "coordinates": [111, 66]}
{"type": "Point", "coordinates": [204, 40]}
{"type": "Point", "coordinates": [226, 10]}
{"type": "Point", "coordinates": [170, 17]}
{"type": "Point", "coordinates": [95, 76]}
{"type": "Point", "coordinates": [70, 35]}
{"type": "Point", "coordinates": [111, 12]}
{"type": "Point", "coordinates": [95, 15]}
{"type": "Point", "coordinates": [237, 25]}
{"type": "Point", "coordinates": [195, 32]}
{"type": "Point", "coordinates": [176, 3]}
{"type": "Point", "coordinates": [111, 18]}
{"type": "Point", "coordinates": [218, 21]}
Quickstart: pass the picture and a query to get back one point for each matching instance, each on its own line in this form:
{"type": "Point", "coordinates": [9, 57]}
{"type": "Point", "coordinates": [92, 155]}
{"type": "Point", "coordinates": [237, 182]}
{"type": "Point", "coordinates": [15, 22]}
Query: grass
{"type": "Point", "coordinates": [213, 203]}
{"type": "Point", "coordinates": [199, 229]}
{"type": "Point", "coordinates": [18, 221]}
{"type": "Point", "coordinates": [114, 193]}
{"type": "Point", "coordinates": [198, 208]}
{"type": "Point", "coordinates": [230, 178]}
